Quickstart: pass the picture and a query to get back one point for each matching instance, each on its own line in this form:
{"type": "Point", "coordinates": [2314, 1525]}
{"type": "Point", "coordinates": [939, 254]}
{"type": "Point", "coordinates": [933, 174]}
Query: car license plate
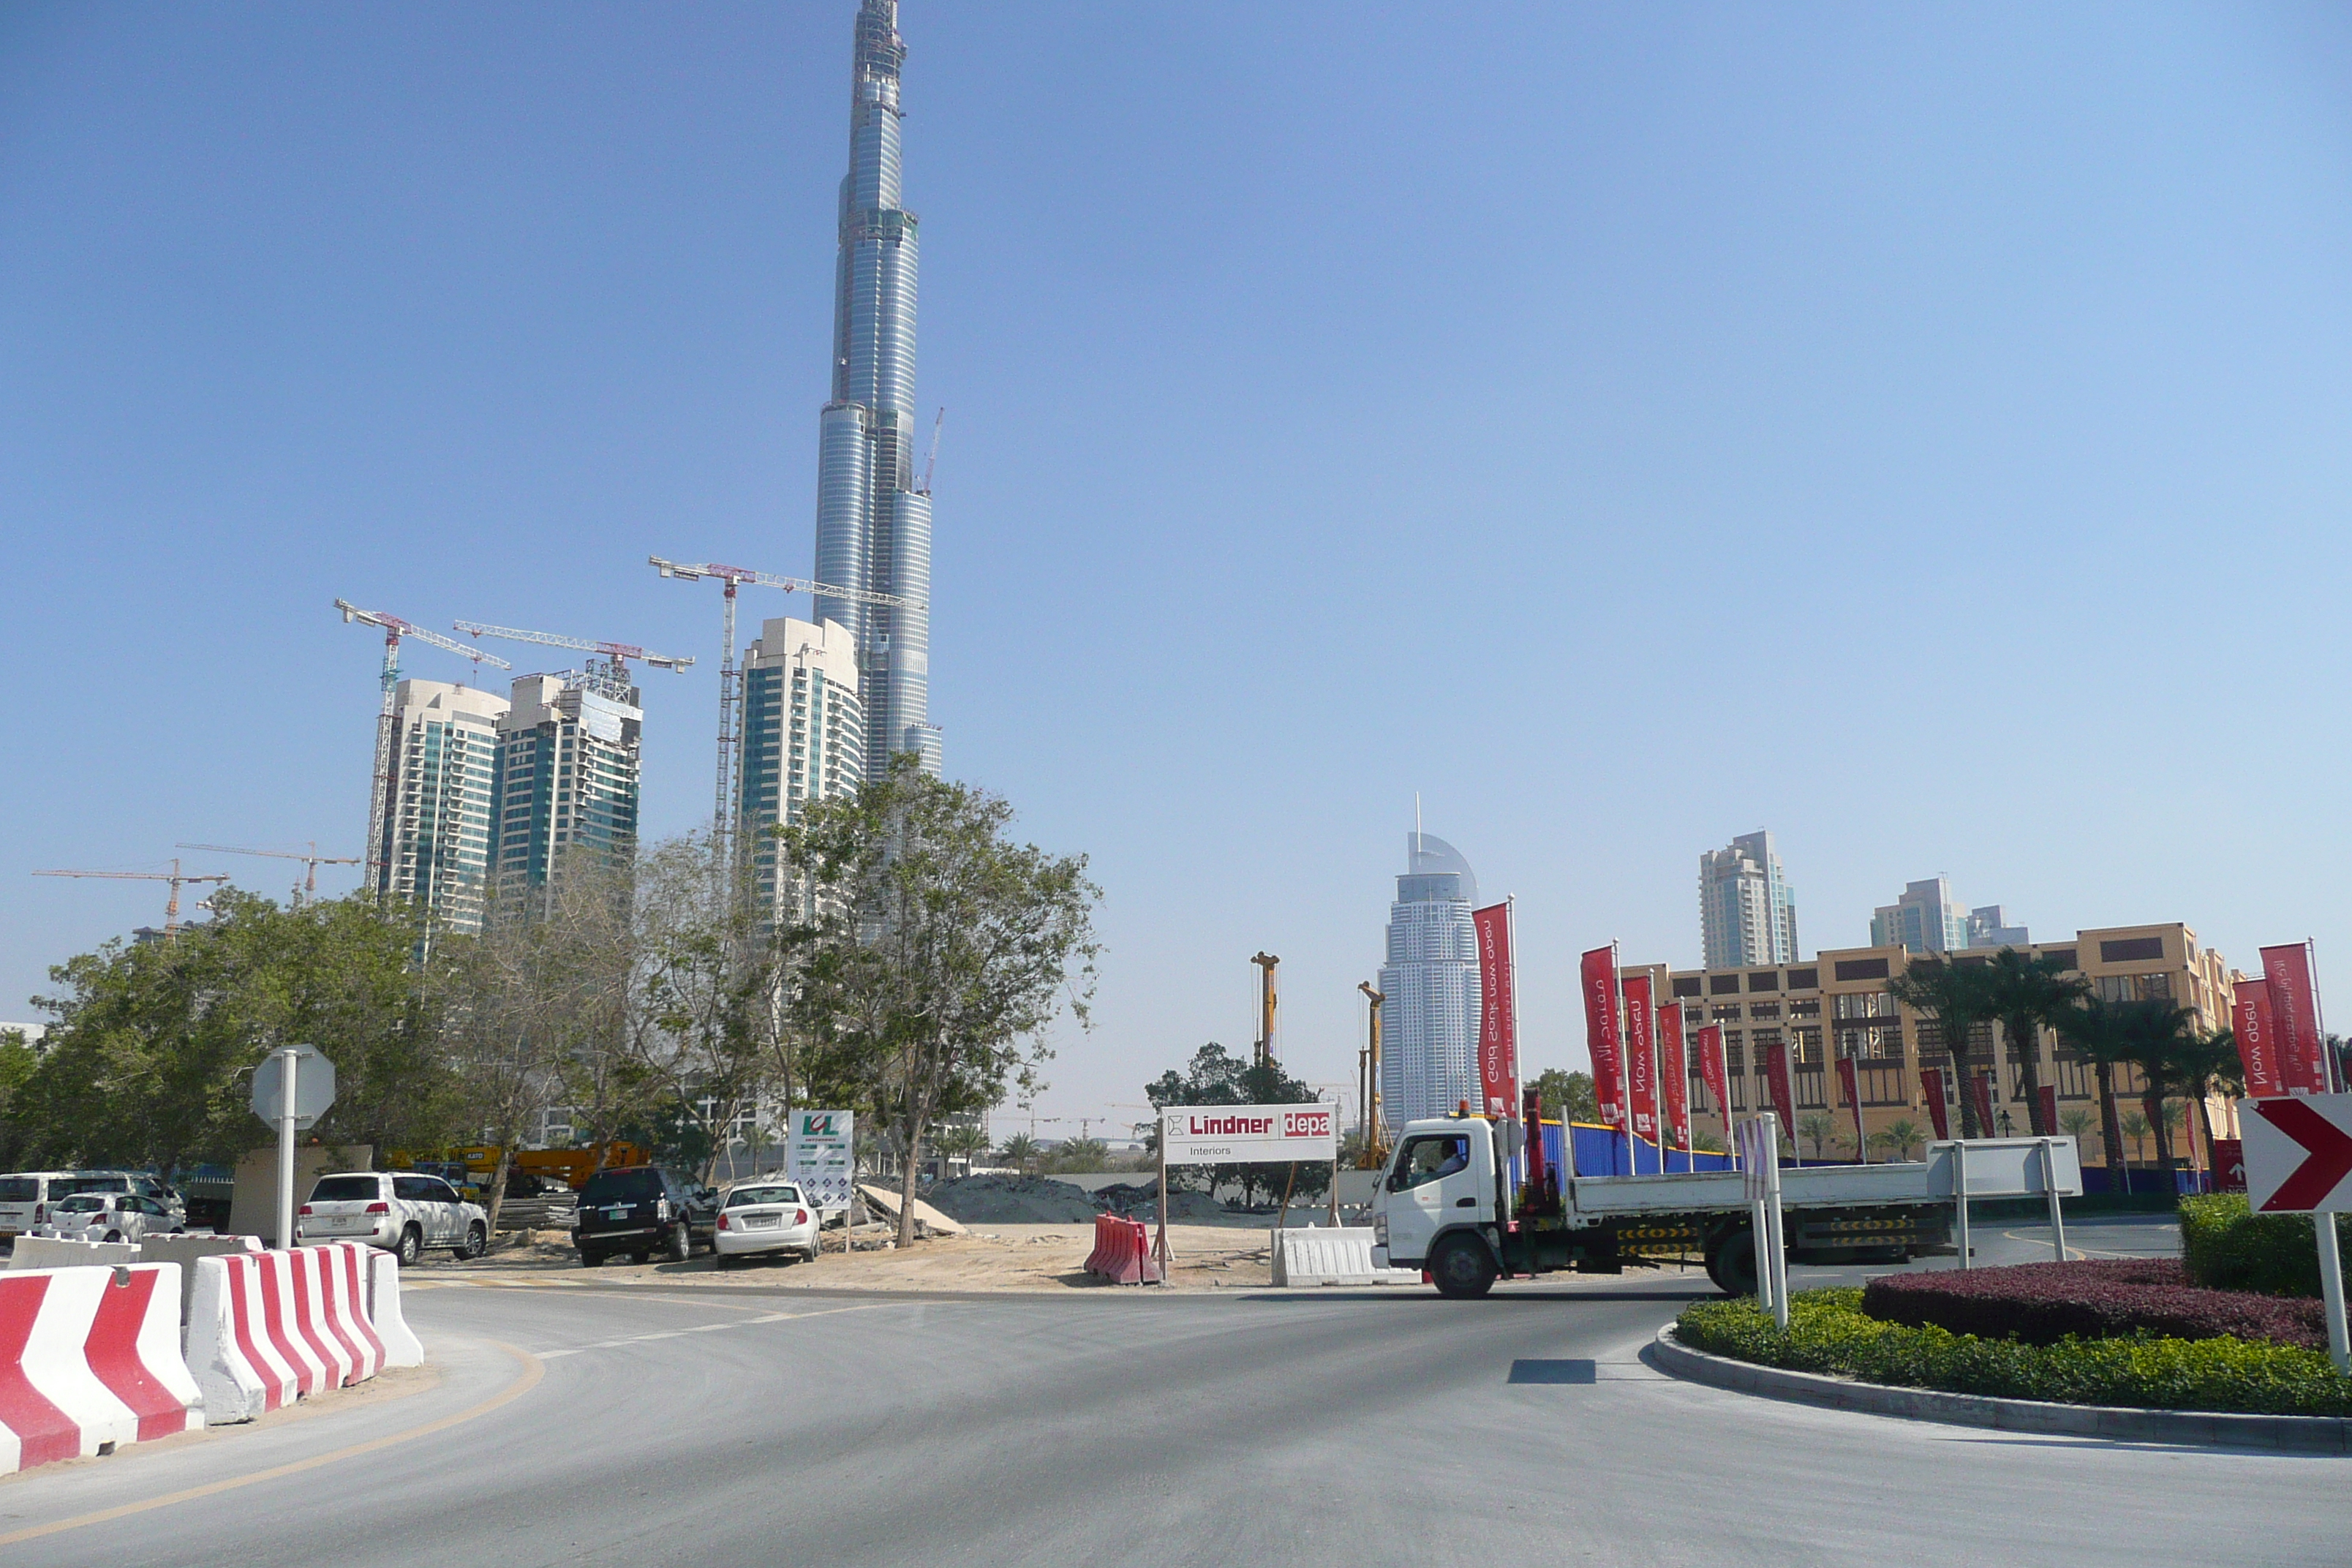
{"type": "Point", "coordinates": [762, 1221]}
{"type": "Point", "coordinates": [617, 1210]}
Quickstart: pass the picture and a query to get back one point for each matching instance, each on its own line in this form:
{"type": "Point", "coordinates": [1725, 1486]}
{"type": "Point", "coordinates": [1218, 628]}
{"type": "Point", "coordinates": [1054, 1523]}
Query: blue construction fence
{"type": "Point", "coordinates": [1605, 1151]}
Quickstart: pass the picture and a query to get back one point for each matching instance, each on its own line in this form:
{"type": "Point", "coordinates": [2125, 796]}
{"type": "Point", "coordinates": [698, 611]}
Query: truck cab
{"type": "Point", "coordinates": [1438, 1204]}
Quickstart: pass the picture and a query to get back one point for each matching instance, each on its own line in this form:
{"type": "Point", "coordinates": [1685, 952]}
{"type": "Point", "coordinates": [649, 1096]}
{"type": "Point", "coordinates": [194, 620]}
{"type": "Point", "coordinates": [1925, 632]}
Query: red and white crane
{"type": "Point", "coordinates": [730, 677]}
{"type": "Point", "coordinates": [380, 794]}
{"type": "Point", "coordinates": [619, 653]}
{"type": "Point", "coordinates": [175, 876]}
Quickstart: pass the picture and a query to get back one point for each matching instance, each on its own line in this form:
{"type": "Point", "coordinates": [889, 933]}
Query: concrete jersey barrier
{"type": "Point", "coordinates": [1332, 1255]}
{"type": "Point", "coordinates": [51, 1252]}
{"type": "Point", "coordinates": [265, 1328]}
{"type": "Point", "coordinates": [90, 1360]}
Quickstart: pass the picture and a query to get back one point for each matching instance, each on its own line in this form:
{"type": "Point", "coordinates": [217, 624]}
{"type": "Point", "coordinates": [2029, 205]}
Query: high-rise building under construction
{"type": "Point", "coordinates": [873, 523]}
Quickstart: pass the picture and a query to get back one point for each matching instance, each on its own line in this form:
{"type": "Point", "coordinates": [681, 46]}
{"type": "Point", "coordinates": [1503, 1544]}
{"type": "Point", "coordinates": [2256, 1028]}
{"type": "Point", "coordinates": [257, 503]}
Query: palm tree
{"type": "Point", "coordinates": [2206, 1065]}
{"type": "Point", "coordinates": [2097, 1027]}
{"type": "Point", "coordinates": [2161, 1037]}
{"type": "Point", "coordinates": [1902, 1136]}
{"type": "Point", "coordinates": [1018, 1151]}
{"type": "Point", "coordinates": [1959, 998]}
{"type": "Point", "coordinates": [2075, 1122]}
{"type": "Point", "coordinates": [1815, 1130]}
{"type": "Point", "coordinates": [2135, 1128]}
{"type": "Point", "coordinates": [2025, 994]}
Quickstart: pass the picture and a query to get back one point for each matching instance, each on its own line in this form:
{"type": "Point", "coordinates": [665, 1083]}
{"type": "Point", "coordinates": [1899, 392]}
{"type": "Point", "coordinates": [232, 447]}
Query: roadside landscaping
{"type": "Point", "coordinates": [1830, 1331]}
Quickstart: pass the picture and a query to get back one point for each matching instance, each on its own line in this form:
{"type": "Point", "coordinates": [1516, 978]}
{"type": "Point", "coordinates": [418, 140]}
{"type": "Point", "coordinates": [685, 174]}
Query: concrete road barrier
{"type": "Point", "coordinates": [48, 1252]}
{"type": "Point", "coordinates": [90, 1360]}
{"type": "Point", "coordinates": [1332, 1255]}
{"type": "Point", "coordinates": [184, 1250]}
{"type": "Point", "coordinates": [233, 1353]}
{"type": "Point", "coordinates": [1123, 1253]}
{"type": "Point", "coordinates": [400, 1345]}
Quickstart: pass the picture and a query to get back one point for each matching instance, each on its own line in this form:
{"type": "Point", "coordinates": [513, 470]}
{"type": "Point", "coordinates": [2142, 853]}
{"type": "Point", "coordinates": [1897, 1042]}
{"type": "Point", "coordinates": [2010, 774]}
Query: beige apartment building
{"type": "Point", "coordinates": [1837, 1004]}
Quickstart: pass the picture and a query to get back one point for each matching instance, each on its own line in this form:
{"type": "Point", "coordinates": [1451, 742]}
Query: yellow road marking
{"type": "Point", "coordinates": [534, 1369]}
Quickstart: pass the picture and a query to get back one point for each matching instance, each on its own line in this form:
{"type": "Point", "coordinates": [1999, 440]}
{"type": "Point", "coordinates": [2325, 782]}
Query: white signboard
{"type": "Point", "coordinates": [1249, 1134]}
{"type": "Point", "coordinates": [2298, 1153]}
{"type": "Point", "coordinates": [820, 1154]}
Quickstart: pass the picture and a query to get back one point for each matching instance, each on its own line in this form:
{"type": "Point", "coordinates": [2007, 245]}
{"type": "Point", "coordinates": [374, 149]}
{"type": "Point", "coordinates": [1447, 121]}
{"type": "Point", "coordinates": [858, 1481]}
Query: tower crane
{"type": "Point", "coordinates": [731, 678]}
{"type": "Point", "coordinates": [380, 794]}
{"type": "Point", "coordinates": [308, 888]}
{"type": "Point", "coordinates": [173, 875]}
{"type": "Point", "coordinates": [618, 654]}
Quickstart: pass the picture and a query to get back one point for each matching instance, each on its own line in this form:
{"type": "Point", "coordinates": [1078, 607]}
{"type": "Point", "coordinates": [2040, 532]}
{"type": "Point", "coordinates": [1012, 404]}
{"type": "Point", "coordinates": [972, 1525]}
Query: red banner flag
{"type": "Point", "coordinates": [1931, 1079]}
{"type": "Point", "coordinates": [1847, 1081]}
{"type": "Point", "coordinates": [1674, 1073]}
{"type": "Point", "coordinates": [1981, 1086]}
{"type": "Point", "coordinates": [2049, 1093]}
{"type": "Point", "coordinates": [2249, 1020]}
{"type": "Point", "coordinates": [1599, 971]}
{"type": "Point", "coordinates": [1784, 1099]}
{"type": "Point", "coordinates": [1713, 1073]}
{"type": "Point", "coordinates": [2294, 1019]}
{"type": "Point", "coordinates": [1498, 1042]}
{"type": "Point", "coordinates": [1641, 1057]}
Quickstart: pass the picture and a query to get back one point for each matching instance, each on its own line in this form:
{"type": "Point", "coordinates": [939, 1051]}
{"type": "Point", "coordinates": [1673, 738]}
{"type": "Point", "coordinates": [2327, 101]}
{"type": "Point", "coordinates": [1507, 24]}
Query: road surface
{"type": "Point", "coordinates": [590, 1422]}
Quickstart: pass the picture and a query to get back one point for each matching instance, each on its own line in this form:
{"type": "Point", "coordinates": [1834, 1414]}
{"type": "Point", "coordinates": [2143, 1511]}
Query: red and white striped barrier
{"type": "Point", "coordinates": [265, 1328]}
{"type": "Point", "coordinates": [90, 1359]}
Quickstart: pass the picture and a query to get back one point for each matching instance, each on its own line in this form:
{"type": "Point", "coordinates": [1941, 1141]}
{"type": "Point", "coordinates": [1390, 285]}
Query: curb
{"type": "Point", "coordinates": [2290, 1434]}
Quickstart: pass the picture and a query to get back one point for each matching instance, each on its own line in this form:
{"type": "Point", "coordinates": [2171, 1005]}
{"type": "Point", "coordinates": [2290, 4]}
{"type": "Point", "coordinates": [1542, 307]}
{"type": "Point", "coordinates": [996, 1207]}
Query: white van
{"type": "Point", "coordinates": [25, 1197]}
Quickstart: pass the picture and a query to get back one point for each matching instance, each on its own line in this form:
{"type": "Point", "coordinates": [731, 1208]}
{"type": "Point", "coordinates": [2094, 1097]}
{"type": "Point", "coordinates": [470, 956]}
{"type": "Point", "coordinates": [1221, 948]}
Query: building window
{"type": "Point", "coordinates": [1722, 984]}
{"type": "Point", "coordinates": [1804, 979]}
{"type": "Point", "coordinates": [1767, 979]}
{"type": "Point", "coordinates": [2132, 950]}
{"type": "Point", "coordinates": [1687, 985]}
{"type": "Point", "coordinates": [1862, 969]}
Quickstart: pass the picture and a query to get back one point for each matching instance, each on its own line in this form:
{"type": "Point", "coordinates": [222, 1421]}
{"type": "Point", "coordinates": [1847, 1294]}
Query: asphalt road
{"type": "Point", "coordinates": [592, 1422]}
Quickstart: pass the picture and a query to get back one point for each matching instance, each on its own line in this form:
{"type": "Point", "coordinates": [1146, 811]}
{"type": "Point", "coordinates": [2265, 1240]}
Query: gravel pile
{"type": "Point", "coordinates": [1143, 1203]}
{"type": "Point", "coordinates": [1011, 1200]}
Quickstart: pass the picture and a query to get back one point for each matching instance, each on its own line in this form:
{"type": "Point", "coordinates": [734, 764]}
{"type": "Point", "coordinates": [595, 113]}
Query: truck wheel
{"type": "Point", "coordinates": [1732, 1263]}
{"type": "Point", "coordinates": [1462, 1268]}
{"type": "Point", "coordinates": [681, 1243]}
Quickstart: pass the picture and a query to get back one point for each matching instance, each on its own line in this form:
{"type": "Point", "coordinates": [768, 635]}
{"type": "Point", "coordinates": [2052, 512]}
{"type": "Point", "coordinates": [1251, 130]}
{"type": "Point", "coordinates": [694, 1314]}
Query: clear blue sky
{"type": "Point", "coordinates": [1920, 430]}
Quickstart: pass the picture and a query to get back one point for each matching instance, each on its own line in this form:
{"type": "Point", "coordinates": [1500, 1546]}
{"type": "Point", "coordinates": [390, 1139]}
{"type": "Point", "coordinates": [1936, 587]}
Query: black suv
{"type": "Point", "coordinates": [641, 1209]}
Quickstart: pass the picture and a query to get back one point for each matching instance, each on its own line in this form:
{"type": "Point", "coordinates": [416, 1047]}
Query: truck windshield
{"type": "Point", "coordinates": [1427, 1159]}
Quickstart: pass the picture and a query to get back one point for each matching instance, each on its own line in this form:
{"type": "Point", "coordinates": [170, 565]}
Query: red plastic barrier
{"type": "Point", "coordinates": [1123, 1253]}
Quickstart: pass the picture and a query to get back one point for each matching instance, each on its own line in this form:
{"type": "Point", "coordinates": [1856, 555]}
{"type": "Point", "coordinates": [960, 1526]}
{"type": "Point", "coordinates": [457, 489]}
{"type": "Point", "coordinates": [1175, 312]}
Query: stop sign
{"type": "Point", "coordinates": [314, 1086]}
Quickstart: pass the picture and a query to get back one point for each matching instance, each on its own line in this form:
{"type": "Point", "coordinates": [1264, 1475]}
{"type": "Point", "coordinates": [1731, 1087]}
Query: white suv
{"type": "Point", "coordinates": [396, 1210]}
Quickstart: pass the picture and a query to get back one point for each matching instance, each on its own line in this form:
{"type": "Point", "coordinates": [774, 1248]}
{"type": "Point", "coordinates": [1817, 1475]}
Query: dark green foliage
{"type": "Point", "coordinates": [147, 1064]}
{"type": "Point", "coordinates": [1959, 996]}
{"type": "Point", "coordinates": [2228, 1247]}
{"type": "Point", "coordinates": [1566, 1096]}
{"type": "Point", "coordinates": [1828, 1333]}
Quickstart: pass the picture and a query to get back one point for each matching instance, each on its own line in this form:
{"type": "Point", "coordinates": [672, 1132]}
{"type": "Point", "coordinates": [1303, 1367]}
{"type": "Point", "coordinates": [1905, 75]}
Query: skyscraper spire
{"type": "Point", "coordinates": [873, 526]}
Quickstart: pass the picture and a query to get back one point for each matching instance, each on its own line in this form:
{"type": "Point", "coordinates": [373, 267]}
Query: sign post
{"type": "Point", "coordinates": [2298, 1154]}
{"type": "Point", "coordinates": [1759, 1161]}
{"type": "Point", "coordinates": [292, 1087]}
{"type": "Point", "coordinates": [1244, 1135]}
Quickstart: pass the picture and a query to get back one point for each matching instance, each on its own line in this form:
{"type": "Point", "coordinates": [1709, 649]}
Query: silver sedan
{"type": "Point", "coordinates": [108, 1216]}
{"type": "Point", "coordinates": [764, 1217]}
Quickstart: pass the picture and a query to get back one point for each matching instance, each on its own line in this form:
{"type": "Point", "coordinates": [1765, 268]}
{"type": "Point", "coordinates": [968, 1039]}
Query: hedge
{"type": "Point", "coordinates": [2041, 1303]}
{"type": "Point", "coordinates": [2229, 1247]}
{"type": "Point", "coordinates": [1828, 1333]}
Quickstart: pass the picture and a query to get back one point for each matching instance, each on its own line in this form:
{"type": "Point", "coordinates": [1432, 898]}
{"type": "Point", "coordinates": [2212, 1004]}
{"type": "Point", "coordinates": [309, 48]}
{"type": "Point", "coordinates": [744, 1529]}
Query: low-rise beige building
{"type": "Point", "coordinates": [1837, 1003]}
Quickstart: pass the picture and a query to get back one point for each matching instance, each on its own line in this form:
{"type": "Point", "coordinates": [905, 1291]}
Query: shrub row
{"type": "Point", "coordinates": [2229, 1247]}
{"type": "Point", "coordinates": [1828, 1333]}
{"type": "Point", "coordinates": [2043, 1303]}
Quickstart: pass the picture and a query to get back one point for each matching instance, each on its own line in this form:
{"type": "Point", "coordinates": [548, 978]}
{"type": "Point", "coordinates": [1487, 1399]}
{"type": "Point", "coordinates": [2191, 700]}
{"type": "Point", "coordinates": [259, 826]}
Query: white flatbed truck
{"type": "Point", "coordinates": [1442, 1206]}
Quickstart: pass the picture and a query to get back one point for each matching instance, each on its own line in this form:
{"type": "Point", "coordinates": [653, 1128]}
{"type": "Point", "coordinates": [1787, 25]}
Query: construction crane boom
{"type": "Point", "coordinates": [380, 791]}
{"type": "Point", "coordinates": [173, 875]}
{"type": "Point", "coordinates": [619, 652]}
{"type": "Point", "coordinates": [731, 678]}
{"type": "Point", "coordinates": [308, 888]}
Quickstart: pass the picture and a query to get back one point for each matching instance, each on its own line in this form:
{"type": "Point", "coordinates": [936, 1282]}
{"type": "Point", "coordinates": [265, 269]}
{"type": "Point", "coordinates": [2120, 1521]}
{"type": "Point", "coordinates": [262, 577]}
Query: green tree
{"type": "Point", "coordinates": [2103, 1032]}
{"type": "Point", "coordinates": [1566, 1096]}
{"type": "Point", "coordinates": [1959, 996]}
{"type": "Point", "coordinates": [1214, 1076]}
{"type": "Point", "coordinates": [1081, 1154]}
{"type": "Point", "coordinates": [2206, 1065]}
{"type": "Point", "coordinates": [149, 1061]}
{"type": "Point", "coordinates": [2075, 1122]}
{"type": "Point", "coordinates": [1816, 1130]}
{"type": "Point", "coordinates": [1020, 1152]}
{"type": "Point", "coordinates": [934, 954]}
{"type": "Point", "coordinates": [2026, 994]}
{"type": "Point", "coordinates": [2135, 1127]}
{"type": "Point", "coordinates": [2160, 1039]}
{"type": "Point", "coordinates": [1900, 1136]}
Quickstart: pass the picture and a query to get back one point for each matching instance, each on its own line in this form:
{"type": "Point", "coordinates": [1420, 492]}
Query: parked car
{"type": "Point", "coordinates": [28, 1198]}
{"type": "Point", "coordinates": [642, 1209]}
{"type": "Point", "coordinates": [764, 1217]}
{"type": "Point", "coordinates": [399, 1211]}
{"type": "Point", "coordinates": [108, 1216]}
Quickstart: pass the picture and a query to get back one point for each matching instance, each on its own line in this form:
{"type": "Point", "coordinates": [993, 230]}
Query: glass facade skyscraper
{"type": "Point", "coordinates": [439, 834]}
{"type": "Point", "coordinates": [1429, 1044]}
{"type": "Point", "coordinates": [1746, 912]}
{"type": "Point", "coordinates": [873, 526]}
{"type": "Point", "coordinates": [804, 731]}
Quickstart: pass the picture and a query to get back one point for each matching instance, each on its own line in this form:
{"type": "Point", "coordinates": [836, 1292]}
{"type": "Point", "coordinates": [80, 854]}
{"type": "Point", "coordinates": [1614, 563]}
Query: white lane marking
{"type": "Point", "coordinates": [707, 1329]}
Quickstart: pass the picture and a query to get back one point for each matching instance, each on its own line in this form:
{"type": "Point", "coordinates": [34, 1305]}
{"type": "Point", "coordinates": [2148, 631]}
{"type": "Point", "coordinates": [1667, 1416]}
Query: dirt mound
{"type": "Point", "coordinates": [1143, 1203]}
{"type": "Point", "coordinates": [1011, 1200]}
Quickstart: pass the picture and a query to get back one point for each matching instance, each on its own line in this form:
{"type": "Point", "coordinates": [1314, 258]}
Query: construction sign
{"type": "Point", "coordinates": [820, 1154]}
{"type": "Point", "coordinates": [1248, 1134]}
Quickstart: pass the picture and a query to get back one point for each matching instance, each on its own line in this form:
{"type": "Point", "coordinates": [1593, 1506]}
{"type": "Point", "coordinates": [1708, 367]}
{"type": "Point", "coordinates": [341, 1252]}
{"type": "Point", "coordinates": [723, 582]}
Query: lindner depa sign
{"type": "Point", "coordinates": [1248, 1134]}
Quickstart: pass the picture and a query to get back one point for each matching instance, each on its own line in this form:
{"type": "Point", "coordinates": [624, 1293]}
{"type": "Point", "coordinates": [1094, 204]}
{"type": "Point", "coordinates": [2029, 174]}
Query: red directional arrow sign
{"type": "Point", "coordinates": [2298, 1153]}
